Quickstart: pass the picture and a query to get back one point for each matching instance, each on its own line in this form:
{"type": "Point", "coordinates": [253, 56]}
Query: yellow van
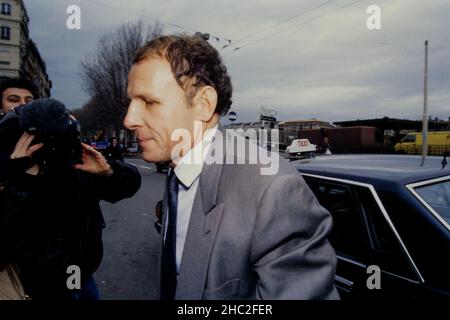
{"type": "Point", "coordinates": [438, 143]}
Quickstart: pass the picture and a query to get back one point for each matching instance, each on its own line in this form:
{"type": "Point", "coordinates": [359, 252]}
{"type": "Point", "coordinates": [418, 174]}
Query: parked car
{"type": "Point", "coordinates": [100, 144]}
{"type": "Point", "coordinates": [301, 147]}
{"type": "Point", "coordinates": [390, 212]}
{"type": "Point", "coordinates": [134, 148]}
{"type": "Point", "coordinates": [438, 143]}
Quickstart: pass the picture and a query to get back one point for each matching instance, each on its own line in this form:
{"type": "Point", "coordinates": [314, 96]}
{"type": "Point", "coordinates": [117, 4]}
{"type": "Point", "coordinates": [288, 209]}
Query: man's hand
{"type": "Point", "coordinates": [23, 150]}
{"type": "Point", "coordinates": [94, 162]}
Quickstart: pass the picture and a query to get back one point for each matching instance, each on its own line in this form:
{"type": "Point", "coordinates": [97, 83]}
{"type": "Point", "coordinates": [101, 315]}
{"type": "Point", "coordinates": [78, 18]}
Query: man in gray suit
{"type": "Point", "coordinates": [229, 229]}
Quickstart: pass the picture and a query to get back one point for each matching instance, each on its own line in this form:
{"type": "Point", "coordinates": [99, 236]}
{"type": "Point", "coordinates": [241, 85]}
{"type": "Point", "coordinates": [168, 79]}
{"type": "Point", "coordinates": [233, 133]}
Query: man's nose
{"type": "Point", "coordinates": [133, 119]}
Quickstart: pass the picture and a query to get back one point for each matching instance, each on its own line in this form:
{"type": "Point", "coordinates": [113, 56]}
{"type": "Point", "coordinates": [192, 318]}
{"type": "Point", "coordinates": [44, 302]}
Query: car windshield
{"type": "Point", "coordinates": [409, 138]}
{"type": "Point", "coordinates": [437, 195]}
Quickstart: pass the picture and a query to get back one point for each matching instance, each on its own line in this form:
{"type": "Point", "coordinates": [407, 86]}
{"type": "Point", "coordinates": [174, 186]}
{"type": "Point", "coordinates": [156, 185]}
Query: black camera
{"type": "Point", "coordinates": [52, 124]}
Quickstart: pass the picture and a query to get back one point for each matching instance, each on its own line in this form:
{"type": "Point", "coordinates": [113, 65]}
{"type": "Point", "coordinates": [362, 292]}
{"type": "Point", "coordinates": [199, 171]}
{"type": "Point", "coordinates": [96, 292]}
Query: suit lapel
{"type": "Point", "coordinates": [203, 224]}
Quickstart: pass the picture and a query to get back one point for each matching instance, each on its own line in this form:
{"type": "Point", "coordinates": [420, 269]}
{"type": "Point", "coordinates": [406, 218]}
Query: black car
{"type": "Point", "coordinates": [389, 212]}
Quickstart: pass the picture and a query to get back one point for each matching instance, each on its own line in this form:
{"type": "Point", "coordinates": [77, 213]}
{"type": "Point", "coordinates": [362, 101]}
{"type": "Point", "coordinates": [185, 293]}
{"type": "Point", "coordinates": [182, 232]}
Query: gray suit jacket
{"type": "Point", "coordinates": [255, 237]}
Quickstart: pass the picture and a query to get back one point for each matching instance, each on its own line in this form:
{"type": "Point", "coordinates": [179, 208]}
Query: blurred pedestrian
{"type": "Point", "coordinates": [325, 147]}
{"type": "Point", "coordinates": [114, 150]}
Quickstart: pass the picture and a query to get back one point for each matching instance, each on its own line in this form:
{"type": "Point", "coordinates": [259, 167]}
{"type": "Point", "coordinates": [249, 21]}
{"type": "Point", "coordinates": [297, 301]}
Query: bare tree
{"type": "Point", "coordinates": [89, 118]}
{"type": "Point", "coordinates": [105, 73]}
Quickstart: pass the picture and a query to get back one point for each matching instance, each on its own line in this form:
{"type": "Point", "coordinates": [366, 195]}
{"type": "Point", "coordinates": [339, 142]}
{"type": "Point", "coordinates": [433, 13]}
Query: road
{"type": "Point", "coordinates": [131, 244]}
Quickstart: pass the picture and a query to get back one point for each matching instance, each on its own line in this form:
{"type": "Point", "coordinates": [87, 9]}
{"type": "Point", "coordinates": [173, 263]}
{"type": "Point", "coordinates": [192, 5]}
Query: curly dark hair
{"type": "Point", "coordinates": [192, 58]}
{"type": "Point", "coordinates": [21, 83]}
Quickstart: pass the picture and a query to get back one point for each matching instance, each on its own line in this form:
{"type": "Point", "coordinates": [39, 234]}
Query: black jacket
{"type": "Point", "coordinates": [52, 221]}
{"type": "Point", "coordinates": [113, 153]}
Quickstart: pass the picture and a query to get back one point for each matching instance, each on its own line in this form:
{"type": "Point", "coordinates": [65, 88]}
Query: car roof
{"type": "Point", "coordinates": [393, 169]}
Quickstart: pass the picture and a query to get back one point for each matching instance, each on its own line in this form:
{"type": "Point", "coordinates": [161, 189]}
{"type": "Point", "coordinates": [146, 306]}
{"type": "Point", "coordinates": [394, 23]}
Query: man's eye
{"type": "Point", "coordinates": [29, 100]}
{"type": "Point", "coordinates": [13, 99]}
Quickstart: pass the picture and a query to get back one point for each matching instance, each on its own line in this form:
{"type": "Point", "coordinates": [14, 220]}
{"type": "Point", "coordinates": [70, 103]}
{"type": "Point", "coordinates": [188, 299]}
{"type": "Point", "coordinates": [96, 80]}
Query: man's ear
{"type": "Point", "coordinates": [207, 103]}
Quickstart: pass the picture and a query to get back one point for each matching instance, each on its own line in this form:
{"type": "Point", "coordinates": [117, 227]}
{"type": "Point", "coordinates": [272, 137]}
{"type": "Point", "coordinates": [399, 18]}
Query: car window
{"type": "Point", "coordinates": [409, 138]}
{"type": "Point", "coordinates": [437, 195]}
{"type": "Point", "coordinates": [386, 248]}
{"type": "Point", "coordinates": [348, 235]}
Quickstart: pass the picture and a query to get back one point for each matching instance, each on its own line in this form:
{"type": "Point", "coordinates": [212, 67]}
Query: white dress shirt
{"type": "Point", "coordinates": [188, 173]}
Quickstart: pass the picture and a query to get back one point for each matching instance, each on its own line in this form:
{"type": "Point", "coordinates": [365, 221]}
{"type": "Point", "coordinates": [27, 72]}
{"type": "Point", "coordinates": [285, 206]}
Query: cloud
{"type": "Point", "coordinates": [324, 63]}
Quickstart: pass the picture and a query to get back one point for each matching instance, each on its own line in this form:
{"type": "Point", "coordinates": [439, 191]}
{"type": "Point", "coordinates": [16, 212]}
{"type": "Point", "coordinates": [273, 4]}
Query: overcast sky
{"type": "Point", "coordinates": [302, 62]}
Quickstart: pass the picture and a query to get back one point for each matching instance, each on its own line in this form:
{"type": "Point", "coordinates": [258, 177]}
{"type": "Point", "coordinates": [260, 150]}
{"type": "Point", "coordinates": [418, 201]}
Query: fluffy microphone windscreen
{"type": "Point", "coordinates": [44, 116]}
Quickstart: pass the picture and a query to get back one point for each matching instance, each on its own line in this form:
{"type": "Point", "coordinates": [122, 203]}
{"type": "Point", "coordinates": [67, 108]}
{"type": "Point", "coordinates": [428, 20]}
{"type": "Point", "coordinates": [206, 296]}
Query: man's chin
{"type": "Point", "coordinates": [153, 158]}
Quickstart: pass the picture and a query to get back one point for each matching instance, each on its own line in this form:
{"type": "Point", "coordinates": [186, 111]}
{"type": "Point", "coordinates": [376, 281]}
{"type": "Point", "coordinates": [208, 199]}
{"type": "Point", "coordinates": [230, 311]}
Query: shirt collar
{"type": "Point", "coordinates": [191, 165]}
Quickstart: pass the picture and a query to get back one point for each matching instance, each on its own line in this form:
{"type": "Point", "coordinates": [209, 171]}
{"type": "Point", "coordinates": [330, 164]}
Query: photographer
{"type": "Point", "coordinates": [50, 216]}
{"type": "Point", "coordinates": [13, 93]}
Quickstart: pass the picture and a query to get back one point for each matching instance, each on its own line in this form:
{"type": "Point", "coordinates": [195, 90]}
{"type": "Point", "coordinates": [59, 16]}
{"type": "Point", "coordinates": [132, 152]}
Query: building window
{"type": "Point", "coordinates": [6, 9]}
{"type": "Point", "coordinates": [5, 33]}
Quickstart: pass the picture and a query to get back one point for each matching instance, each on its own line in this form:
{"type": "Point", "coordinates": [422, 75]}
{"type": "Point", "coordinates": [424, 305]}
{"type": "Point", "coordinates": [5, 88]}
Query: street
{"type": "Point", "coordinates": [131, 243]}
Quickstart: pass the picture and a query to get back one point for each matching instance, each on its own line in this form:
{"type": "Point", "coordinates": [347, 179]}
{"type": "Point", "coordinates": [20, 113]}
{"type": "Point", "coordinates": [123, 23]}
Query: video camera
{"type": "Point", "coordinates": [52, 124]}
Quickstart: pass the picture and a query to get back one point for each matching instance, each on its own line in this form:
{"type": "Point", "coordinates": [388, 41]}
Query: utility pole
{"type": "Point", "coordinates": [425, 107]}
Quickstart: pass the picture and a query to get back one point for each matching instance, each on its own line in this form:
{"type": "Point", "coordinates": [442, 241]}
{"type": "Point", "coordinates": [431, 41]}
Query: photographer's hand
{"type": "Point", "coordinates": [23, 150]}
{"type": "Point", "coordinates": [94, 162]}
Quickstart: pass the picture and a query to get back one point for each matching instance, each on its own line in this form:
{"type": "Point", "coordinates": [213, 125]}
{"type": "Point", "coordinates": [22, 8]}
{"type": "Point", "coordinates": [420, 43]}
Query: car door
{"type": "Point", "coordinates": [348, 236]}
{"type": "Point", "coordinates": [400, 276]}
{"type": "Point", "coordinates": [363, 235]}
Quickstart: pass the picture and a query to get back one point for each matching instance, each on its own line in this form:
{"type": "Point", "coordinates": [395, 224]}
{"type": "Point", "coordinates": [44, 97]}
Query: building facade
{"type": "Point", "coordinates": [19, 56]}
{"type": "Point", "coordinates": [290, 130]}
